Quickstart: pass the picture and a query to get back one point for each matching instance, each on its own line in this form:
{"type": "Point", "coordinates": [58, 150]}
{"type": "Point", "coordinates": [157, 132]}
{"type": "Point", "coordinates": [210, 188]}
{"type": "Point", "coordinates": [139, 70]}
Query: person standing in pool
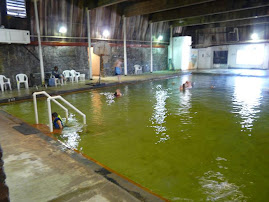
{"type": "Point", "coordinates": [57, 121]}
{"type": "Point", "coordinates": [117, 67]}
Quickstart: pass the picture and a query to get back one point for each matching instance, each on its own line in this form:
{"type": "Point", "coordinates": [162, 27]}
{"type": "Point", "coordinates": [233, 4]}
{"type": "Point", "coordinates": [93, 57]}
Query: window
{"type": "Point", "coordinates": [220, 57]}
{"type": "Point", "coordinates": [16, 8]}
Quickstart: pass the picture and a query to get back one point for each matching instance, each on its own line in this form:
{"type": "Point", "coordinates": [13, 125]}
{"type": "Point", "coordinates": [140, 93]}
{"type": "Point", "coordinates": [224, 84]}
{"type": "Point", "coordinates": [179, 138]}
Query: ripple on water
{"type": "Point", "coordinates": [109, 97]}
{"type": "Point", "coordinates": [70, 134]}
{"type": "Point", "coordinates": [160, 113]}
{"type": "Point", "coordinates": [217, 188]}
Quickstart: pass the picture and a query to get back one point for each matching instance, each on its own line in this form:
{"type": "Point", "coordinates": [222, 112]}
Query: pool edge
{"type": "Point", "coordinates": [85, 89]}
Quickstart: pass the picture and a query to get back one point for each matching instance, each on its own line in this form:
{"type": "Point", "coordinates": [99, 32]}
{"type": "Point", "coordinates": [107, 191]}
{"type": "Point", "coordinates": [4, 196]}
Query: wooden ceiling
{"type": "Point", "coordinates": [193, 13]}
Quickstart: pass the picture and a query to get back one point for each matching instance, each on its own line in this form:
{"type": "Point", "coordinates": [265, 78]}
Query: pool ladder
{"type": "Point", "coordinates": [53, 98]}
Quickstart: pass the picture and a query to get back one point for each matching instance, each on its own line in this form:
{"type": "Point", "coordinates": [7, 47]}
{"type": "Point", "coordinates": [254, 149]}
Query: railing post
{"type": "Point", "coordinates": [84, 119]}
{"type": "Point", "coordinates": [49, 113]}
{"type": "Point", "coordinates": [151, 57]}
{"type": "Point", "coordinates": [35, 106]}
{"type": "Point", "coordinates": [124, 46]}
{"type": "Point", "coordinates": [55, 101]}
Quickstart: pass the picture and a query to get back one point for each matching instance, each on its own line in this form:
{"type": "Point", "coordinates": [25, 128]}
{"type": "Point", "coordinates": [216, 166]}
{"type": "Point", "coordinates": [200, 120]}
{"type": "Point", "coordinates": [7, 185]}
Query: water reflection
{"type": "Point", "coordinates": [246, 101]}
{"type": "Point", "coordinates": [216, 186]}
{"type": "Point", "coordinates": [70, 134]}
{"type": "Point", "coordinates": [185, 105]}
{"type": "Point", "coordinates": [159, 114]}
{"type": "Point", "coordinates": [97, 108]}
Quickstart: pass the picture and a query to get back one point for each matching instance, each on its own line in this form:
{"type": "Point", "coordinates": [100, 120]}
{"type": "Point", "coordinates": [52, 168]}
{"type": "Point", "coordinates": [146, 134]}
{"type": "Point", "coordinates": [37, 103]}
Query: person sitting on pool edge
{"type": "Point", "coordinates": [56, 73]}
{"type": "Point", "coordinates": [117, 93]}
{"type": "Point", "coordinates": [57, 121]}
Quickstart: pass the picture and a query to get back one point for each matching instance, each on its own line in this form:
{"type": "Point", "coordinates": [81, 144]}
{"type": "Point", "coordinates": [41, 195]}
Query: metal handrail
{"type": "Point", "coordinates": [55, 101]}
{"type": "Point", "coordinates": [66, 102]}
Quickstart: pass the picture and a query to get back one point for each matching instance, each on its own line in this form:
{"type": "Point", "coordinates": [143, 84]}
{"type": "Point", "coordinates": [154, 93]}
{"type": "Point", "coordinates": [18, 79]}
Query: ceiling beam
{"type": "Point", "coordinates": [92, 4]}
{"type": "Point", "coordinates": [236, 23]}
{"type": "Point", "coordinates": [211, 8]}
{"type": "Point", "coordinates": [153, 6]}
{"type": "Point", "coordinates": [225, 17]}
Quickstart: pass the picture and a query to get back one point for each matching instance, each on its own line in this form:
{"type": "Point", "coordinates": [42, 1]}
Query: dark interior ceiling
{"type": "Point", "coordinates": [193, 13]}
{"type": "Point", "coordinates": [208, 22]}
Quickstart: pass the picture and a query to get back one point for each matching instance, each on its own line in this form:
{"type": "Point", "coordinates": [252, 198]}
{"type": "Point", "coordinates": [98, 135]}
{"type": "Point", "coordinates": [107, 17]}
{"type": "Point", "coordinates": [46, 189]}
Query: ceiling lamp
{"type": "Point", "coordinates": [254, 36]}
{"type": "Point", "coordinates": [106, 33]}
{"type": "Point", "coordinates": [62, 30]}
{"type": "Point", "coordinates": [160, 38]}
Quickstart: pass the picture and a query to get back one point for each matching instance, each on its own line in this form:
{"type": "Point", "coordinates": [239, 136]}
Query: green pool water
{"type": "Point", "coordinates": [199, 145]}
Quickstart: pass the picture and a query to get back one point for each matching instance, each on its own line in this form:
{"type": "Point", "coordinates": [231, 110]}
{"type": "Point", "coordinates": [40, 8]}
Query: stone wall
{"type": "Point", "coordinates": [16, 59]}
{"type": "Point", "coordinates": [140, 56]}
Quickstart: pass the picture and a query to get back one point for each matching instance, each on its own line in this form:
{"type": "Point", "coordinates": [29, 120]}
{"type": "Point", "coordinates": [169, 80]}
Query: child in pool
{"type": "Point", "coordinates": [57, 121]}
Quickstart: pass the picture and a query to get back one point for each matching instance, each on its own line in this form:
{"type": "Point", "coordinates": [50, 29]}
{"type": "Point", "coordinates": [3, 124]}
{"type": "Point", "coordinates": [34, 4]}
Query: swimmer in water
{"type": "Point", "coordinates": [188, 84]}
{"type": "Point", "coordinates": [183, 87]}
{"type": "Point", "coordinates": [117, 93]}
{"type": "Point", "coordinates": [57, 121]}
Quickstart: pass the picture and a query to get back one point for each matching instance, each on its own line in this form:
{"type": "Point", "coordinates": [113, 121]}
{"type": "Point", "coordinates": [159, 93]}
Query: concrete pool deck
{"type": "Point", "coordinates": [38, 168]}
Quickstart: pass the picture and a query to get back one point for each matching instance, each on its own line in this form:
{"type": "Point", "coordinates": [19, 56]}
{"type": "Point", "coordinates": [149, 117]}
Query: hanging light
{"type": "Point", "coordinates": [254, 36]}
{"type": "Point", "coordinates": [106, 33]}
{"type": "Point", "coordinates": [62, 30]}
{"type": "Point", "coordinates": [160, 38]}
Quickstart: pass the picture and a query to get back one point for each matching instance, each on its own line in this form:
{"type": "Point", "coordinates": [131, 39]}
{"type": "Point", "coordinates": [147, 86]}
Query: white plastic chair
{"type": "Point", "coordinates": [67, 75]}
{"type": "Point", "coordinates": [22, 78]}
{"type": "Point", "coordinates": [138, 69]}
{"type": "Point", "coordinates": [4, 82]}
{"type": "Point", "coordinates": [75, 75]}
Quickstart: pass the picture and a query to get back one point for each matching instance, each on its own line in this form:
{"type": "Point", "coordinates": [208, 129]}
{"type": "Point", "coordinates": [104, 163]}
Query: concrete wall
{"type": "Point", "coordinates": [205, 56]}
{"type": "Point", "coordinates": [181, 52]}
{"type": "Point", "coordinates": [234, 49]}
{"type": "Point", "coordinates": [16, 59]}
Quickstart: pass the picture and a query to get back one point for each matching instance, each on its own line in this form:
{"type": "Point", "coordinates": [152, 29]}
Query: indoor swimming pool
{"type": "Point", "coordinates": [206, 143]}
